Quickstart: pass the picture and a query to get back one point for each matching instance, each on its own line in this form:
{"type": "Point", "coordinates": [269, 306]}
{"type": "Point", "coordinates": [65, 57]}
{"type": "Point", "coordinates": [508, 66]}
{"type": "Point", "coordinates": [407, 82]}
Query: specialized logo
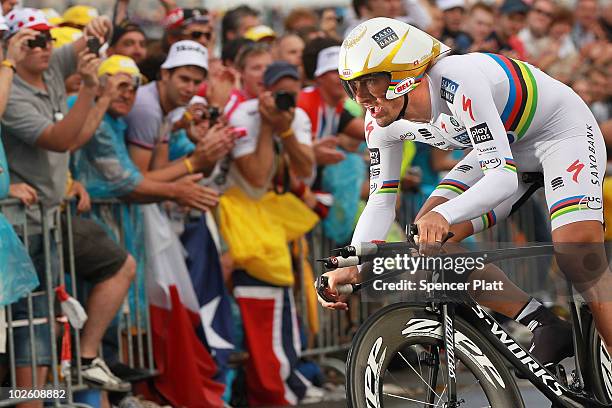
{"type": "Point", "coordinates": [385, 37]}
{"type": "Point", "coordinates": [490, 163]}
{"type": "Point", "coordinates": [407, 136]}
{"type": "Point", "coordinates": [556, 183]}
{"type": "Point", "coordinates": [372, 373]}
{"type": "Point", "coordinates": [425, 133]}
{"type": "Point", "coordinates": [576, 167]}
{"type": "Point", "coordinates": [404, 86]}
{"type": "Point", "coordinates": [450, 349]}
{"type": "Point", "coordinates": [463, 138]}
{"type": "Point", "coordinates": [592, 203]}
{"type": "Point", "coordinates": [518, 352]}
{"type": "Point", "coordinates": [467, 106]}
{"type": "Point", "coordinates": [481, 133]}
{"type": "Point", "coordinates": [444, 127]}
{"type": "Point", "coordinates": [448, 89]}
{"type": "Point", "coordinates": [373, 187]}
{"type": "Point", "coordinates": [464, 168]}
{"type": "Point", "coordinates": [358, 34]}
{"type": "Point", "coordinates": [374, 156]}
{"type": "Point", "coordinates": [369, 129]}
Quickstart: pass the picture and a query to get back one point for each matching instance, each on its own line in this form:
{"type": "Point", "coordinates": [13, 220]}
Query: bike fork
{"type": "Point", "coordinates": [448, 315]}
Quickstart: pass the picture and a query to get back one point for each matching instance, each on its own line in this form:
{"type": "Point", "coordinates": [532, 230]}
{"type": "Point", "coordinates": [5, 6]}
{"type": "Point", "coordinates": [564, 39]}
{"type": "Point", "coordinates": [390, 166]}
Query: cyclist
{"type": "Point", "coordinates": [516, 118]}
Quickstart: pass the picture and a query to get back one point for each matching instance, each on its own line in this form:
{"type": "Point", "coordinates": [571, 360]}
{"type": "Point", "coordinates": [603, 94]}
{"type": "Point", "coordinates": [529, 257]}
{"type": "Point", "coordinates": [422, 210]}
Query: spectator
{"type": "Point", "coordinates": [260, 33]}
{"type": "Point", "coordinates": [329, 23]}
{"type": "Point", "coordinates": [583, 88]}
{"type": "Point", "coordinates": [149, 122]}
{"type": "Point", "coordinates": [324, 104]}
{"type": "Point", "coordinates": [453, 12]}
{"type": "Point", "coordinates": [367, 9]}
{"type": "Point", "coordinates": [300, 18]}
{"type": "Point", "coordinates": [513, 14]}
{"type": "Point", "coordinates": [251, 63]}
{"type": "Point", "coordinates": [260, 289]}
{"type": "Point", "coordinates": [128, 39]}
{"type": "Point", "coordinates": [231, 49]}
{"type": "Point", "coordinates": [586, 13]}
{"type": "Point", "coordinates": [561, 58]}
{"type": "Point", "coordinates": [8, 5]}
{"type": "Point", "coordinates": [79, 16]}
{"type": "Point", "coordinates": [237, 21]}
{"type": "Point", "coordinates": [478, 36]}
{"type": "Point", "coordinates": [290, 48]}
{"type": "Point", "coordinates": [601, 105]}
{"type": "Point", "coordinates": [39, 132]}
{"type": "Point", "coordinates": [535, 35]}
{"type": "Point", "coordinates": [103, 163]}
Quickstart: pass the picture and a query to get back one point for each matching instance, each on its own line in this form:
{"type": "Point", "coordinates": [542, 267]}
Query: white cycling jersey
{"type": "Point", "coordinates": [517, 119]}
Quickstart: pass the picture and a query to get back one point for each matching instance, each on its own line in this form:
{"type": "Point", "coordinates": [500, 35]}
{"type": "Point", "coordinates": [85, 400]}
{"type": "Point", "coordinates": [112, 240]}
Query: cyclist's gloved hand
{"type": "Point", "coordinates": [338, 277]}
{"type": "Point", "coordinates": [433, 230]}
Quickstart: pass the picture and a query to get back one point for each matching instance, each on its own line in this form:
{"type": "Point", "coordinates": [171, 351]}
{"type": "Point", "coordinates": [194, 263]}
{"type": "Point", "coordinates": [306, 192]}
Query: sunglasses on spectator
{"type": "Point", "coordinates": [544, 12]}
{"type": "Point", "coordinates": [195, 35]}
{"type": "Point", "coordinates": [376, 84]}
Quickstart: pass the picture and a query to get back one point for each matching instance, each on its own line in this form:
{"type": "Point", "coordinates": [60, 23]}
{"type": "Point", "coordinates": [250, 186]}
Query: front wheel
{"type": "Point", "coordinates": [398, 359]}
{"type": "Point", "coordinates": [601, 366]}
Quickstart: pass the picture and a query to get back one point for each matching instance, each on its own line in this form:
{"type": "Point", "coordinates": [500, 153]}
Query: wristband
{"type": "Point", "coordinates": [9, 64]}
{"type": "Point", "coordinates": [188, 165]}
{"type": "Point", "coordinates": [286, 133]}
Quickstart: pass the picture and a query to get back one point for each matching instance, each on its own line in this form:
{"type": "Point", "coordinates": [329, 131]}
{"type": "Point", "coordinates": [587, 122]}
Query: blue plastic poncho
{"type": "Point", "coordinates": [17, 274]}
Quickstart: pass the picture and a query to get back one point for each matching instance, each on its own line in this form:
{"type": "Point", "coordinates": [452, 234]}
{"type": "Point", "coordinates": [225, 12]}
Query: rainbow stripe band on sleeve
{"type": "Point", "coordinates": [453, 185]}
{"type": "Point", "coordinates": [389, 187]}
{"type": "Point", "coordinates": [488, 220]}
{"type": "Point", "coordinates": [522, 97]}
{"type": "Point", "coordinates": [566, 205]}
{"type": "Point", "coordinates": [510, 164]}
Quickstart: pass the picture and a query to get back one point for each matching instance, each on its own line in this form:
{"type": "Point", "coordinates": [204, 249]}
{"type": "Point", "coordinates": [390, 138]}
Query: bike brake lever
{"type": "Point", "coordinates": [322, 286]}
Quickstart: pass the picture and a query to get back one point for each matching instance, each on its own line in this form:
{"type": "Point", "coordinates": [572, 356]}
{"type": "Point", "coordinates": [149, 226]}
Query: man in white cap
{"type": "Point", "coordinates": [149, 123]}
{"type": "Point", "coordinates": [324, 103]}
{"type": "Point", "coordinates": [453, 13]}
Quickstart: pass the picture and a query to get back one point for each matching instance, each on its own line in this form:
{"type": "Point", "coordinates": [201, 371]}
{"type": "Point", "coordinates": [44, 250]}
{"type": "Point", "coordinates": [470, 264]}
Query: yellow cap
{"type": "Point", "coordinates": [64, 35]}
{"type": "Point", "coordinates": [117, 64]}
{"type": "Point", "coordinates": [53, 16]}
{"type": "Point", "coordinates": [259, 33]}
{"type": "Point", "coordinates": [80, 15]}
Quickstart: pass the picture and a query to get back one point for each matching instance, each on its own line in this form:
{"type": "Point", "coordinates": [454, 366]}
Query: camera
{"type": "Point", "coordinates": [40, 40]}
{"type": "Point", "coordinates": [213, 114]}
{"type": "Point", "coordinates": [284, 100]}
{"type": "Point", "coordinates": [93, 44]}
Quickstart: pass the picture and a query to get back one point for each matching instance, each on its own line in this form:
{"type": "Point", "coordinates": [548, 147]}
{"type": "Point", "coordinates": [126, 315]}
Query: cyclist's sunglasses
{"type": "Point", "coordinates": [376, 84]}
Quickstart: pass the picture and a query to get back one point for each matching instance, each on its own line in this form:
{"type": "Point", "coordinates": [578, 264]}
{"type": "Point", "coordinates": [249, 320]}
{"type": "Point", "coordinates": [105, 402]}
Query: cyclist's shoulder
{"type": "Point", "coordinates": [466, 68]}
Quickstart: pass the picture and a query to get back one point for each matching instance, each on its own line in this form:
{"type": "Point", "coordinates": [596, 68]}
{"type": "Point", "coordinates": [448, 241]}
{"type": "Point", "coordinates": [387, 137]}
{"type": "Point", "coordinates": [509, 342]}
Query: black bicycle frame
{"type": "Point", "coordinates": [540, 377]}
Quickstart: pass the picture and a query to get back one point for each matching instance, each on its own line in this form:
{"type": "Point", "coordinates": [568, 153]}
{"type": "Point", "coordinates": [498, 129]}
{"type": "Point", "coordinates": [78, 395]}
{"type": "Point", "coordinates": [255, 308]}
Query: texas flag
{"type": "Point", "coordinates": [185, 365]}
{"type": "Point", "coordinates": [200, 240]}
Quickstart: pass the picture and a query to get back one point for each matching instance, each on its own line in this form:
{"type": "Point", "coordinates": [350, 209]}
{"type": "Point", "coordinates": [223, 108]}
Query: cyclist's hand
{"type": "Point", "coordinates": [338, 277]}
{"type": "Point", "coordinates": [433, 228]}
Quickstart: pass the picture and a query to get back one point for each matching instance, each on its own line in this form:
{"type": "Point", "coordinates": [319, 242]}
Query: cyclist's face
{"type": "Point", "coordinates": [370, 92]}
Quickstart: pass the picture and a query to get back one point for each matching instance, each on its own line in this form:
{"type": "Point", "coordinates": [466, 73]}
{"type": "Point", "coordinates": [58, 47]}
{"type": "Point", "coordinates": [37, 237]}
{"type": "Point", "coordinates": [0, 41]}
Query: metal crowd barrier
{"type": "Point", "coordinates": [337, 329]}
{"type": "Point", "coordinates": [133, 324]}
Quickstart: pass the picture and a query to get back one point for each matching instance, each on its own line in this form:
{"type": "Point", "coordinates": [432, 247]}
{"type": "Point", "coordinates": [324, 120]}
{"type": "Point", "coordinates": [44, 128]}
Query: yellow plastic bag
{"type": "Point", "coordinates": [257, 232]}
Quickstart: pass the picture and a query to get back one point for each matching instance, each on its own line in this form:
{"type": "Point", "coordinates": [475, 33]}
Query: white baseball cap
{"type": "Point", "coordinates": [184, 53]}
{"type": "Point", "coordinates": [450, 4]}
{"type": "Point", "coordinates": [327, 60]}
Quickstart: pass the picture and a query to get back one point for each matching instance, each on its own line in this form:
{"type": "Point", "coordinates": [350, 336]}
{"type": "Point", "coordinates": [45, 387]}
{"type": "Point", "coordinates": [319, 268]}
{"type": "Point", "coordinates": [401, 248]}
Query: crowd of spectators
{"type": "Point", "coordinates": [240, 134]}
